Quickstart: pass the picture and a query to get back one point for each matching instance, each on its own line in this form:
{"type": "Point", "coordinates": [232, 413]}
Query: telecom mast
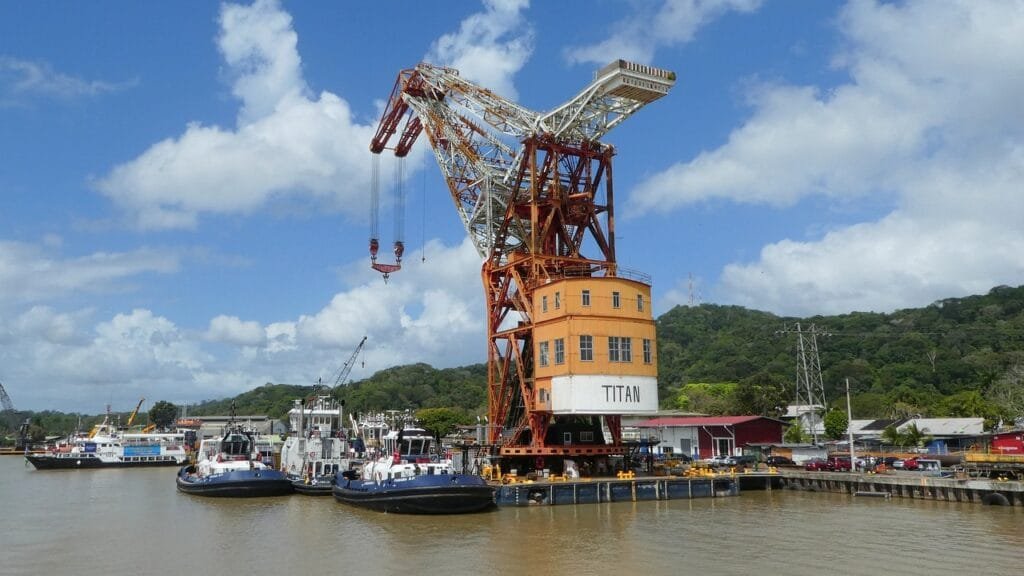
{"type": "Point", "coordinates": [570, 334]}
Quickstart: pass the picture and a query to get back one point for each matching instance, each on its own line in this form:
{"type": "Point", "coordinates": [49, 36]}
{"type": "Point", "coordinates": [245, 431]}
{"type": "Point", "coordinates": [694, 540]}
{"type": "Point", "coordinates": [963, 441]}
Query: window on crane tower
{"type": "Point", "coordinates": [639, 302]}
{"type": "Point", "coordinates": [620, 349]}
{"type": "Point", "coordinates": [647, 350]}
{"type": "Point", "coordinates": [558, 300]}
{"type": "Point", "coordinates": [616, 303]}
{"type": "Point", "coordinates": [544, 303]}
{"type": "Point", "coordinates": [543, 353]}
{"type": "Point", "coordinates": [586, 348]}
{"type": "Point", "coordinates": [559, 351]}
{"type": "Point", "coordinates": [585, 298]}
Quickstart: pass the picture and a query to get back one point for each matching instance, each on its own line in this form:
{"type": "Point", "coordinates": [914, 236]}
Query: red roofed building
{"type": "Point", "coordinates": [704, 437]}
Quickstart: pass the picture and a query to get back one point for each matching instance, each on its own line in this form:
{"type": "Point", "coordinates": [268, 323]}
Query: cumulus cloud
{"type": "Point", "coordinates": [232, 330]}
{"type": "Point", "coordinates": [651, 27]}
{"type": "Point", "coordinates": [490, 47]}
{"type": "Point", "coordinates": [286, 143]}
{"type": "Point", "coordinates": [927, 123]}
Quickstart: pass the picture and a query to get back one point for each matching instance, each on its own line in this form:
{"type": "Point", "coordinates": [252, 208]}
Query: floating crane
{"type": "Point", "coordinates": [534, 192]}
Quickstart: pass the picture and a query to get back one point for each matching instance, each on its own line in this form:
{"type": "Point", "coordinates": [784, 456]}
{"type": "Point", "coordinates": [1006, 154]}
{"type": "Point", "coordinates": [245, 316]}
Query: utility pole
{"type": "Point", "coordinates": [849, 426]}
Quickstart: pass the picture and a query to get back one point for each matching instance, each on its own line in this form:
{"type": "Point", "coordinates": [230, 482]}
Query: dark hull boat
{"type": "Point", "coordinates": [419, 494]}
{"type": "Point", "coordinates": [228, 468]}
{"type": "Point", "coordinates": [320, 486]}
{"type": "Point", "coordinates": [234, 483]}
{"type": "Point", "coordinates": [81, 461]}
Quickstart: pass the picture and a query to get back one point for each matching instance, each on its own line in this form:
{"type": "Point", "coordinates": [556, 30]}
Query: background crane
{"type": "Point", "coordinates": [5, 400]}
{"type": "Point", "coordinates": [131, 417]}
{"type": "Point", "coordinates": [342, 373]}
{"type": "Point", "coordinates": [534, 192]}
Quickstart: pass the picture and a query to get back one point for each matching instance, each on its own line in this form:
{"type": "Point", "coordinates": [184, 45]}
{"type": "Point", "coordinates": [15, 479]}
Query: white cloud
{"type": "Point", "coordinates": [285, 144]}
{"type": "Point", "coordinates": [21, 80]}
{"type": "Point", "coordinates": [928, 122]}
{"type": "Point", "coordinates": [232, 330]}
{"type": "Point", "coordinates": [649, 28]}
{"type": "Point", "coordinates": [490, 47]}
{"type": "Point", "coordinates": [29, 273]}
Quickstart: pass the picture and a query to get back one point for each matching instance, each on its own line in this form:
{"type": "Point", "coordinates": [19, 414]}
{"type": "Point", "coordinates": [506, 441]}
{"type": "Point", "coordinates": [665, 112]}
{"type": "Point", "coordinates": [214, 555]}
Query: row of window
{"type": "Point", "coordinates": [620, 349]}
{"type": "Point", "coordinates": [585, 300]}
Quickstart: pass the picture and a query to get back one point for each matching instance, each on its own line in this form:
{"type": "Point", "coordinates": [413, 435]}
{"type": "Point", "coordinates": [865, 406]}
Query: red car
{"type": "Point", "coordinates": [839, 464]}
{"type": "Point", "coordinates": [816, 465]}
{"type": "Point", "coordinates": [910, 464]}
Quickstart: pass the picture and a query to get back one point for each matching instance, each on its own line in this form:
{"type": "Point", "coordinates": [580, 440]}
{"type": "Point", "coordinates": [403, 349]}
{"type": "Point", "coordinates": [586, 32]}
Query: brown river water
{"type": "Point", "coordinates": [114, 522]}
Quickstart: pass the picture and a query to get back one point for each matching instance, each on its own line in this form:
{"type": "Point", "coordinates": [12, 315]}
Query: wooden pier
{"type": "Point", "coordinates": [909, 485]}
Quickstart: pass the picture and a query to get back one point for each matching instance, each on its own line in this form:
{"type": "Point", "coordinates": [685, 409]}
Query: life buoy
{"type": "Point", "coordinates": [396, 457]}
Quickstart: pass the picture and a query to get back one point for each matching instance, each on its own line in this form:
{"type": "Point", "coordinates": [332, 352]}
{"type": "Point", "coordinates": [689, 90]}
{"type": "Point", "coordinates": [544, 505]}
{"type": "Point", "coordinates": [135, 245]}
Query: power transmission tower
{"type": "Point", "coordinates": [810, 390]}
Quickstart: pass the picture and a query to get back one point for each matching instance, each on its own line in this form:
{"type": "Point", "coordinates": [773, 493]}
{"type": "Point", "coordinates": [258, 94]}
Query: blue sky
{"type": "Point", "coordinates": [184, 186]}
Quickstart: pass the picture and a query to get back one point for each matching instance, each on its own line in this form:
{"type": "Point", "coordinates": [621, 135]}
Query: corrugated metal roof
{"type": "Point", "coordinates": [948, 426]}
{"type": "Point", "coordinates": [698, 421]}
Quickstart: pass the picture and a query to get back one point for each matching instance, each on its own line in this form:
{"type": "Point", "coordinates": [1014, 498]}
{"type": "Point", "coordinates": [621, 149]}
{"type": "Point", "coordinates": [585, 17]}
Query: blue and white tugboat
{"type": "Point", "coordinates": [227, 467]}
{"type": "Point", "coordinates": [411, 481]}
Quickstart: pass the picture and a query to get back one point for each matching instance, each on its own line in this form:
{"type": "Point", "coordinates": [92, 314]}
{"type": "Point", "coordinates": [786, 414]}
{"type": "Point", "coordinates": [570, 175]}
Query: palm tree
{"type": "Point", "coordinates": [913, 436]}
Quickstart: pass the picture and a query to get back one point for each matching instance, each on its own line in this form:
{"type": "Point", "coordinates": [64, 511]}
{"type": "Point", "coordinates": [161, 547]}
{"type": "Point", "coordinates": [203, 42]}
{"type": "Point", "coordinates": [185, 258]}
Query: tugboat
{"type": "Point", "coordinates": [411, 481]}
{"type": "Point", "coordinates": [228, 468]}
{"type": "Point", "coordinates": [317, 450]}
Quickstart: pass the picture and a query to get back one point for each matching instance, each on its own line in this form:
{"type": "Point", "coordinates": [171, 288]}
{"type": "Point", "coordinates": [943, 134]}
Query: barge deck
{"type": "Point", "coordinates": [599, 490]}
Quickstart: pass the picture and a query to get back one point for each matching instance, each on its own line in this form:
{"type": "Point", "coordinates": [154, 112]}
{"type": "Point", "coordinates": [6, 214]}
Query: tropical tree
{"type": "Point", "coordinates": [891, 436]}
{"type": "Point", "coordinates": [761, 394]}
{"type": "Point", "coordinates": [441, 421]}
{"type": "Point", "coordinates": [914, 436]}
{"type": "Point", "coordinates": [795, 434]}
{"type": "Point", "coordinates": [836, 424]}
{"type": "Point", "coordinates": [162, 414]}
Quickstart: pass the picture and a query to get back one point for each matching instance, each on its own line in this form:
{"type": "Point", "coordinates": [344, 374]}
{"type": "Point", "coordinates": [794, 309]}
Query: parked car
{"type": "Point", "coordinates": [779, 461]}
{"type": "Point", "coordinates": [743, 461]}
{"type": "Point", "coordinates": [839, 464]}
{"type": "Point", "coordinates": [816, 465]}
{"type": "Point", "coordinates": [910, 464]}
{"type": "Point", "coordinates": [720, 460]}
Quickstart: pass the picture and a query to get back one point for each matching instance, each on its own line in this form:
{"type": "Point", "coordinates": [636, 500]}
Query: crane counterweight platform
{"type": "Point", "coordinates": [570, 334]}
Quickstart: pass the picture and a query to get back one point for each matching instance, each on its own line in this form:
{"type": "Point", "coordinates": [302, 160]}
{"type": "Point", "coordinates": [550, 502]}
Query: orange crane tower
{"type": "Point", "coordinates": [571, 336]}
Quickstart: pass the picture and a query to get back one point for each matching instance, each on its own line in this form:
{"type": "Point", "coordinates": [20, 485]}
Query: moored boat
{"type": "Point", "coordinates": [412, 480]}
{"type": "Point", "coordinates": [316, 449]}
{"type": "Point", "coordinates": [431, 488]}
{"type": "Point", "coordinates": [229, 468]}
{"type": "Point", "coordinates": [107, 447]}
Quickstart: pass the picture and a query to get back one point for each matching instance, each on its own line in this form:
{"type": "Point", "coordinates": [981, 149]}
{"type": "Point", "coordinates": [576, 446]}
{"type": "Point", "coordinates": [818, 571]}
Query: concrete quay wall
{"type": "Point", "coordinates": [909, 485]}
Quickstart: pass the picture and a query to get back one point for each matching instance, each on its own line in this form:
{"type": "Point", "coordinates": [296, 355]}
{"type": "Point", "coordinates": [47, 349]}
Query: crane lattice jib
{"type": "Point", "coordinates": [346, 368]}
{"type": "Point", "coordinates": [481, 159]}
{"type": "Point", "coordinates": [5, 400]}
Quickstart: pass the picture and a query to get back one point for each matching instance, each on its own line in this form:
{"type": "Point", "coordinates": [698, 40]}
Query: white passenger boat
{"type": "Point", "coordinates": [107, 447]}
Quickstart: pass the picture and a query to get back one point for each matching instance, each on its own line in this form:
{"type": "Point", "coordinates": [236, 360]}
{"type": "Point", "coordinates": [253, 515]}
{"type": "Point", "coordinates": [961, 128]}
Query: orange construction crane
{"type": "Point", "coordinates": [131, 417]}
{"type": "Point", "coordinates": [571, 344]}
